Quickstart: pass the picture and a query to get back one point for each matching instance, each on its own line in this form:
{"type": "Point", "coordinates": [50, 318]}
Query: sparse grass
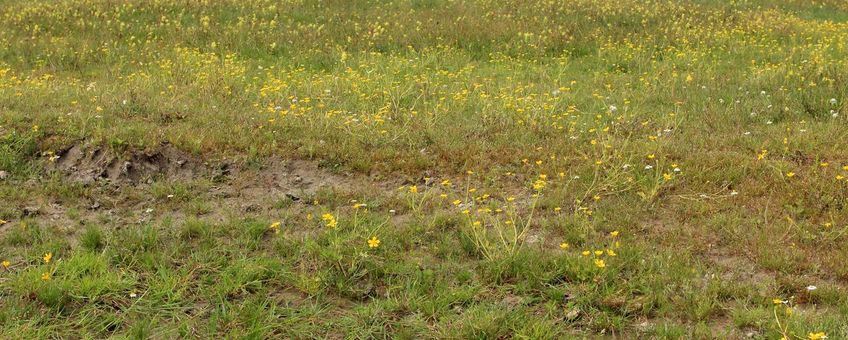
{"type": "Point", "coordinates": [486, 169]}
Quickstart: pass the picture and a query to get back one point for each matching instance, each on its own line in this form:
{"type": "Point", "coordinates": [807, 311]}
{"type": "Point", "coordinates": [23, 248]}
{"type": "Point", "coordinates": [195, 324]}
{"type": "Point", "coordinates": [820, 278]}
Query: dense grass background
{"type": "Point", "coordinates": [709, 134]}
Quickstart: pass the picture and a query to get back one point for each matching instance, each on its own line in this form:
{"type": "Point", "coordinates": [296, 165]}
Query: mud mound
{"type": "Point", "coordinates": [89, 164]}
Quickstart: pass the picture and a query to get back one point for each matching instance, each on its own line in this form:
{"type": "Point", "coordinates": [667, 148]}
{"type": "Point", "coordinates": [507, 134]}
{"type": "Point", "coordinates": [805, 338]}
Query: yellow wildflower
{"type": "Point", "coordinates": [373, 242]}
{"type": "Point", "coordinates": [329, 220]}
{"type": "Point", "coordinates": [817, 336]}
{"type": "Point", "coordinates": [275, 227]}
{"type": "Point", "coordinates": [538, 185]}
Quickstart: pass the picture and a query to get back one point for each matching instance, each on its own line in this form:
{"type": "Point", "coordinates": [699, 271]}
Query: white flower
{"type": "Point", "coordinates": [832, 101]}
{"type": "Point", "coordinates": [763, 93]}
{"type": "Point", "coordinates": [649, 167]}
{"type": "Point", "coordinates": [734, 193]}
{"type": "Point", "coordinates": [812, 288]}
{"type": "Point", "coordinates": [625, 166]}
{"type": "Point", "coordinates": [676, 169]}
{"type": "Point", "coordinates": [612, 108]}
{"type": "Point", "coordinates": [133, 295]}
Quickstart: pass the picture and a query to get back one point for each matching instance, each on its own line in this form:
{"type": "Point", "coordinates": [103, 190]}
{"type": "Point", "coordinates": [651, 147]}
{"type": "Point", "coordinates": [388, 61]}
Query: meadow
{"type": "Point", "coordinates": [623, 169]}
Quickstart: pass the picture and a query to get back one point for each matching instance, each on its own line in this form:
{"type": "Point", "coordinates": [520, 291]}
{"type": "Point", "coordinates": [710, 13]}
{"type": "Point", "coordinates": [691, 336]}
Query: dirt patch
{"type": "Point", "coordinates": [739, 269]}
{"type": "Point", "coordinates": [123, 188]}
{"type": "Point", "coordinates": [257, 189]}
{"type": "Point", "coordinates": [89, 164]}
{"type": "Point", "coordinates": [294, 178]}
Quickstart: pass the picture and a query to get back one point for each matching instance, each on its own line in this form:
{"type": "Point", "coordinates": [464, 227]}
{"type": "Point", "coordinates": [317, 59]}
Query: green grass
{"type": "Point", "coordinates": [531, 169]}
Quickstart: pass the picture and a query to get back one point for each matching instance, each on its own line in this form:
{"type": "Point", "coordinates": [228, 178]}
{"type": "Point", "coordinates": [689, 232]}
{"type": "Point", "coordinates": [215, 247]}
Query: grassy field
{"type": "Point", "coordinates": [424, 169]}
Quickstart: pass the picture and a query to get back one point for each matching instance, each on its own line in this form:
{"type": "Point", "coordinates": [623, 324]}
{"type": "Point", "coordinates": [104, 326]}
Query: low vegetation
{"type": "Point", "coordinates": [424, 168]}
